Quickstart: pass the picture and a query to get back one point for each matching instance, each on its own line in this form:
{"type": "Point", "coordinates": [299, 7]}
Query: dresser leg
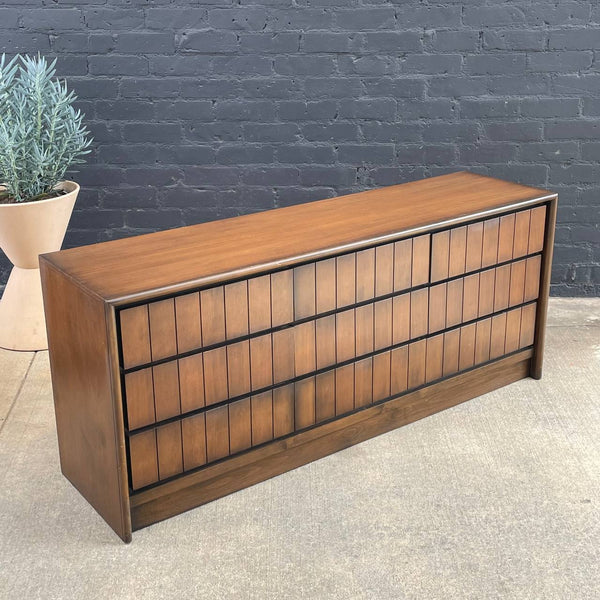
{"type": "Point", "coordinates": [542, 310]}
{"type": "Point", "coordinates": [536, 370]}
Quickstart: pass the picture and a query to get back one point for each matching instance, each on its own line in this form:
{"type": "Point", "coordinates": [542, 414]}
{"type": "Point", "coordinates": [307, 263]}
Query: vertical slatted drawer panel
{"type": "Point", "coordinates": [375, 337]}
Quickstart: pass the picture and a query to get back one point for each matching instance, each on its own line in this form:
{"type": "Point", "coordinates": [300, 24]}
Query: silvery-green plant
{"type": "Point", "coordinates": [41, 133]}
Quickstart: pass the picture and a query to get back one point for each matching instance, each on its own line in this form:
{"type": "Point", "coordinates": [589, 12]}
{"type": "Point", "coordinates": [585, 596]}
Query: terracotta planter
{"type": "Point", "coordinates": [28, 229]}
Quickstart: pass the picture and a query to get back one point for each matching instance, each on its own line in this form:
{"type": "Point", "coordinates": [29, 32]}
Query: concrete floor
{"type": "Point", "coordinates": [496, 498]}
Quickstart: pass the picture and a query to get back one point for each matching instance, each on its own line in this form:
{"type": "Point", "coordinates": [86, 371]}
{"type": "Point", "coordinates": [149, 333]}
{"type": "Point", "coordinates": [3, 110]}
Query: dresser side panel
{"type": "Point", "coordinates": [89, 420]}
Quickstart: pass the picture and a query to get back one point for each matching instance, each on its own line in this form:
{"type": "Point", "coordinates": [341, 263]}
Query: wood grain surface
{"type": "Point", "coordinates": [178, 259]}
{"type": "Point", "coordinates": [90, 423]}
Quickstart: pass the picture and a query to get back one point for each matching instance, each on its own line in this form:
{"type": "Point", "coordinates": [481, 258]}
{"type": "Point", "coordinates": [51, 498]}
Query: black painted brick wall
{"type": "Point", "coordinates": [203, 110]}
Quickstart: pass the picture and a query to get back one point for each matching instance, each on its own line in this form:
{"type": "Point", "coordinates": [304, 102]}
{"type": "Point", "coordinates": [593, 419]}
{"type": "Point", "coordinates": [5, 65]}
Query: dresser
{"type": "Point", "coordinates": [191, 363]}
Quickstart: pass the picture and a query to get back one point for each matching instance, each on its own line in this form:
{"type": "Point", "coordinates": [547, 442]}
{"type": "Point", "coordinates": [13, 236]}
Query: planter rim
{"type": "Point", "coordinates": [66, 185]}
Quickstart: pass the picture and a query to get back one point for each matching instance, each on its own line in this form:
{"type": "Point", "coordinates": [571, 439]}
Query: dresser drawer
{"type": "Point", "coordinates": [198, 320]}
{"type": "Point", "coordinates": [485, 243]}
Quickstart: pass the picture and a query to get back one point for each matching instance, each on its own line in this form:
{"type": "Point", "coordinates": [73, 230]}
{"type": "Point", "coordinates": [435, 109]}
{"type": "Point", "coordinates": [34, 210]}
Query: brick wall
{"type": "Point", "coordinates": [202, 110]}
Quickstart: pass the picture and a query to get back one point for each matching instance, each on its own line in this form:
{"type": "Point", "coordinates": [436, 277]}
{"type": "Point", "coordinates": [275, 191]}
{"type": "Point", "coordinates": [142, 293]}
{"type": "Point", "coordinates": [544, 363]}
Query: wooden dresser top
{"type": "Point", "coordinates": [144, 266]}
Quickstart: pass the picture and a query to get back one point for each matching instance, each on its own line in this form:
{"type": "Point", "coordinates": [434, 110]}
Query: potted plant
{"type": "Point", "coordinates": [41, 136]}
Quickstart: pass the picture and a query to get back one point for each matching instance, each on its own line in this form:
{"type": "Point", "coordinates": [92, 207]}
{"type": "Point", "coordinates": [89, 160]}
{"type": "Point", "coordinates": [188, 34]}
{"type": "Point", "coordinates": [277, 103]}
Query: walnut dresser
{"type": "Point", "coordinates": [191, 363]}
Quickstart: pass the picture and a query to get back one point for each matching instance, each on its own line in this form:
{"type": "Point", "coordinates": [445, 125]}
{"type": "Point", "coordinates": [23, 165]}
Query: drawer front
{"type": "Point", "coordinates": [199, 320]}
{"type": "Point", "coordinates": [241, 364]}
{"type": "Point", "coordinates": [485, 243]}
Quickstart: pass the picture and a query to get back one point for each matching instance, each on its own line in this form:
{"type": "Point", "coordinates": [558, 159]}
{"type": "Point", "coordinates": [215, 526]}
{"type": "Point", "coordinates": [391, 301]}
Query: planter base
{"type": "Point", "coordinates": [28, 229]}
{"type": "Point", "coordinates": [22, 324]}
